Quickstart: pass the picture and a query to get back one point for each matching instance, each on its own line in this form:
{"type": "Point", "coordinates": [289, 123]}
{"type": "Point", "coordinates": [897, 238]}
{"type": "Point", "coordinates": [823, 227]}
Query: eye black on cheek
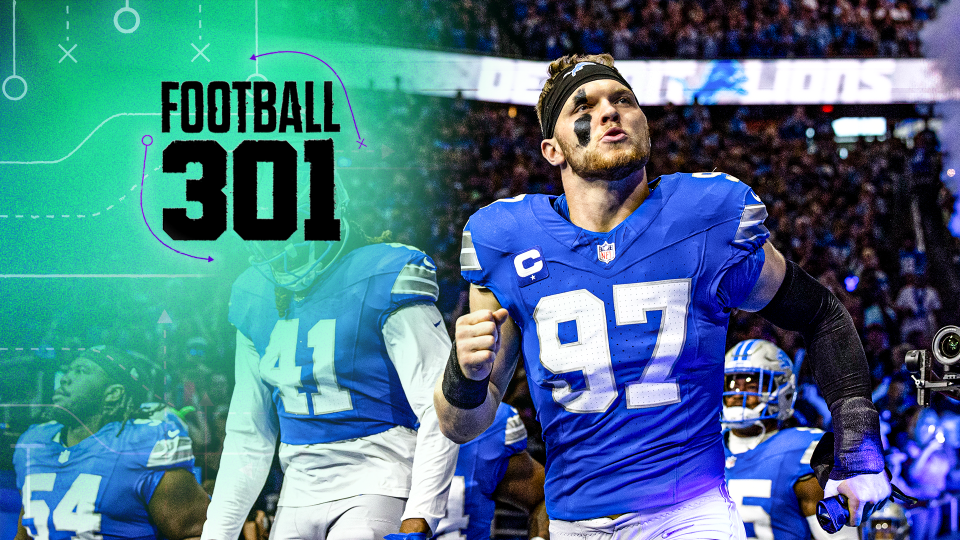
{"type": "Point", "coordinates": [581, 128]}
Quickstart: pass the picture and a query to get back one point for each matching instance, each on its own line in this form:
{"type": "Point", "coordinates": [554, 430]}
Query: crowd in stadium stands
{"type": "Point", "coordinates": [707, 29]}
{"type": "Point", "coordinates": [844, 219]}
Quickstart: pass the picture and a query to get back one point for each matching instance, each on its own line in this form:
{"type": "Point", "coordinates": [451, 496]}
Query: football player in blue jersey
{"type": "Point", "coordinates": [494, 467]}
{"type": "Point", "coordinates": [768, 469]}
{"type": "Point", "coordinates": [338, 347]}
{"type": "Point", "coordinates": [618, 294]}
{"type": "Point", "coordinates": [96, 470]}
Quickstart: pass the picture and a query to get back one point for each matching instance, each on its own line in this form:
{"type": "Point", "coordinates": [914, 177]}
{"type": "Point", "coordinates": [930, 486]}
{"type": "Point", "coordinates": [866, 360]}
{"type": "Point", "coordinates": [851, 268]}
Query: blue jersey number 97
{"type": "Point", "coordinates": [590, 353]}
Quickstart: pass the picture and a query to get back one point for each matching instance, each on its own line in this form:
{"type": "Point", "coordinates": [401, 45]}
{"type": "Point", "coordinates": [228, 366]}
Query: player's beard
{"type": "Point", "coordinates": [72, 412]}
{"type": "Point", "coordinates": [610, 164]}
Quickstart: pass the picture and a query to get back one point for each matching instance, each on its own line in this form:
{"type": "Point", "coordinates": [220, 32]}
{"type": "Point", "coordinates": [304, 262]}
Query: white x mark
{"type": "Point", "coordinates": [67, 53]}
{"type": "Point", "coordinates": [199, 52]}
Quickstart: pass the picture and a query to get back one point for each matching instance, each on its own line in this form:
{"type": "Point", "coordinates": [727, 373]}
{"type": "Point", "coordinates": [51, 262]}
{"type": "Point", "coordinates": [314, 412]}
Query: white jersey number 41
{"type": "Point", "coordinates": [279, 368]}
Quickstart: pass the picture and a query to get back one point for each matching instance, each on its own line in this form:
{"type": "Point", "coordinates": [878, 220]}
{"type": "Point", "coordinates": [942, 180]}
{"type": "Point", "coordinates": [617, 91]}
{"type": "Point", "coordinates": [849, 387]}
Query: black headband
{"type": "Point", "coordinates": [567, 81]}
{"type": "Point", "coordinates": [121, 367]}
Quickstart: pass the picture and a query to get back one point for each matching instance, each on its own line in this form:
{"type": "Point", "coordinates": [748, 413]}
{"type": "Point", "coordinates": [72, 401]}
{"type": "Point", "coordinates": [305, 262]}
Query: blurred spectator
{"type": "Point", "coordinates": [541, 29]}
{"type": "Point", "coordinates": [918, 305]}
{"type": "Point", "coordinates": [921, 463]}
{"type": "Point", "coordinates": [912, 260]}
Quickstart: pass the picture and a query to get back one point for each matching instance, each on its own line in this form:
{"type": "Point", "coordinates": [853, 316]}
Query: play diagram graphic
{"type": "Point", "coordinates": [81, 87]}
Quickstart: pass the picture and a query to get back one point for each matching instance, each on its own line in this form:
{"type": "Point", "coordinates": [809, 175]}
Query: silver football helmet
{"type": "Point", "coordinates": [294, 264]}
{"type": "Point", "coordinates": [776, 383]}
{"type": "Point", "coordinates": [887, 523]}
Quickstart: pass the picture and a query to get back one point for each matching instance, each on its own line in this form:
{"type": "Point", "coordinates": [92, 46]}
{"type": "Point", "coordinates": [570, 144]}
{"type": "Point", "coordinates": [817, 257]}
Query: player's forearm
{"type": "Point", "coordinates": [479, 368]}
{"type": "Point", "coordinates": [252, 429]}
{"type": "Point", "coordinates": [539, 522]}
{"type": "Point", "coordinates": [22, 533]}
{"type": "Point", "coordinates": [244, 467]}
{"type": "Point", "coordinates": [434, 463]}
{"type": "Point", "coordinates": [839, 365]}
{"type": "Point", "coordinates": [463, 425]}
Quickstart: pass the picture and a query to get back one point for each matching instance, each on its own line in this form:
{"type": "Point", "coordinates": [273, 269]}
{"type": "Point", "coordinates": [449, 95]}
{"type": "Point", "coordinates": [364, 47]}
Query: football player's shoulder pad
{"type": "Point", "coordinates": [40, 433]}
{"type": "Point", "coordinates": [158, 443]}
{"type": "Point", "coordinates": [501, 222]}
{"type": "Point", "coordinates": [717, 196]}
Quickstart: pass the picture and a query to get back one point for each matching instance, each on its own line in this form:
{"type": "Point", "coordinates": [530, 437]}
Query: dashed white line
{"type": "Point", "coordinates": [78, 349]}
{"type": "Point", "coordinates": [51, 216]}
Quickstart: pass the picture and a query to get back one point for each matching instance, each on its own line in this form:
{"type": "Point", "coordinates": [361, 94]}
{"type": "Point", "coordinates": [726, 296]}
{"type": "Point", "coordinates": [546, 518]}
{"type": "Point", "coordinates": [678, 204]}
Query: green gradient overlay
{"type": "Point", "coordinates": [80, 125]}
{"type": "Point", "coordinates": [88, 117]}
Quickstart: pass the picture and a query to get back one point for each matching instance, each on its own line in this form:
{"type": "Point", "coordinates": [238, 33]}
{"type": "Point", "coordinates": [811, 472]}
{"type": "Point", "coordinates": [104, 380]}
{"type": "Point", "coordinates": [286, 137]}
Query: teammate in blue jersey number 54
{"type": "Point", "coordinates": [98, 468]}
{"type": "Point", "coordinates": [618, 294]}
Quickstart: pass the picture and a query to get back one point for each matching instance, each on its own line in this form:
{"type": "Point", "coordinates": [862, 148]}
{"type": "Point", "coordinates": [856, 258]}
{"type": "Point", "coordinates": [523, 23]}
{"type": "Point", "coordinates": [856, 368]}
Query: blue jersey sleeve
{"type": "Point", "coordinates": [33, 437]}
{"type": "Point", "coordinates": [147, 484]}
{"type": "Point", "coordinates": [484, 236]}
{"type": "Point", "coordinates": [739, 280]}
{"type": "Point", "coordinates": [159, 446]}
{"type": "Point", "coordinates": [514, 432]}
{"type": "Point", "coordinates": [253, 306]}
{"type": "Point", "coordinates": [162, 444]}
{"type": "Point", "coordinates": [416, 281]}
{"type": "Point", "coordinates": [751, 231]}
{"type": "Point", "coordinates": [742, 238]}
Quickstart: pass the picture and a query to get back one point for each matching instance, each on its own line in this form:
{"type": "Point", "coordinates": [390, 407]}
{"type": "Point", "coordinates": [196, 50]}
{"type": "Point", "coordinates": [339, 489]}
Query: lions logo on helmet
{"type": "Point", "coordinates": [294, 264]}
{"type": "Point", "coordinates": [761, 362]}
{"type": "Point", "coordinates": [887, 523]}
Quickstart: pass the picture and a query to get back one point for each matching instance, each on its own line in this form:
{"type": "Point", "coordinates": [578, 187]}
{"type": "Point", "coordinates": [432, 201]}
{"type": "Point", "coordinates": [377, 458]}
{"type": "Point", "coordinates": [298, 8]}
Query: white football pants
{"type": "Point", "coordinates": [364, 517]}
{"type": "Point", "coordinates": [711, 516]}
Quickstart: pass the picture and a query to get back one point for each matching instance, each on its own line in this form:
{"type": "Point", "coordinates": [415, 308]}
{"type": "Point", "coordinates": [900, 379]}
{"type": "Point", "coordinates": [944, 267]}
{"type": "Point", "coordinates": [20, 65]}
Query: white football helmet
{"type": "Point", "coordinates": [888, 523]}
{"type": "Point", "coordinates": [777, 385]}
{"type": "Point", "coordinates": [294, 264]}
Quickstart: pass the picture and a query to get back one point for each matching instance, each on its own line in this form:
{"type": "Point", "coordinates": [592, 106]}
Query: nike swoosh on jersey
{"type": "Point", "coordinates": [173, 433]}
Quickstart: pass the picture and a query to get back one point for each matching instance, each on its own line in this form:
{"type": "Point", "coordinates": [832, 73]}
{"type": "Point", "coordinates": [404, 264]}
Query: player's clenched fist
{"type": "Point", "coordinates": [478, 340]}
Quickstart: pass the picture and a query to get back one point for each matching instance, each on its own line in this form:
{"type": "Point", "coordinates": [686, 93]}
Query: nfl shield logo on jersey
{"type": "Point", "coordinates": [606, 252]}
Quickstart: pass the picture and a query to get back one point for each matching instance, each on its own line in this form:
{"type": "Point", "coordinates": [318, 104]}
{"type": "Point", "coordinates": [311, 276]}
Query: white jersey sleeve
{"type": "Point", "coordinates": [418, 346]}
{"type": "Point", "coordinates": [252, 429]}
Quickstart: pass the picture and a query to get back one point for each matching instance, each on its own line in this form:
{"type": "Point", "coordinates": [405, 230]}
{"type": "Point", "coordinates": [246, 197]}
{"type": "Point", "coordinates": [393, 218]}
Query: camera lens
{"type": "Point", "coordinates": [946, 345]}
{"type": "Point", "coordinates": [950, 345]}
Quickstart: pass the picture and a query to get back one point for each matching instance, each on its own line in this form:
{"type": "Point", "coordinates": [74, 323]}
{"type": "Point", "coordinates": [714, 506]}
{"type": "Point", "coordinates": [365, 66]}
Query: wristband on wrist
{"type": "Point", "coordinates": [460, 391]}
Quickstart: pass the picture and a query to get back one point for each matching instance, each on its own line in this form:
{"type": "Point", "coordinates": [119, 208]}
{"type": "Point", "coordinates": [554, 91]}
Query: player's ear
{"type": "Point", "coordinates": [552, 152]}
{"type": "Point", "coordinates": [113, 398]}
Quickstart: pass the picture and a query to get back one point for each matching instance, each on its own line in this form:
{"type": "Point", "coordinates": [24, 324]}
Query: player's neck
{"type": "Point", "coordinates": [742, 440]}
{"type": "Point", "coordinates": [74, 434]}
{"type": "Point", "coordinates": [601, 205]}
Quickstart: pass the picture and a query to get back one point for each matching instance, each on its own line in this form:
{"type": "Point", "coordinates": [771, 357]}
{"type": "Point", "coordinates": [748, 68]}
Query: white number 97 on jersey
{"type": "Point", "coordinates": [589, 353]}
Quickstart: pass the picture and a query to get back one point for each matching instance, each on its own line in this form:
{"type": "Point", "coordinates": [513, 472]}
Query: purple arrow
{"type": "Point", "coordinates": [147, 141]}
{"type": "Point", "coordinates": [359, 138]}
